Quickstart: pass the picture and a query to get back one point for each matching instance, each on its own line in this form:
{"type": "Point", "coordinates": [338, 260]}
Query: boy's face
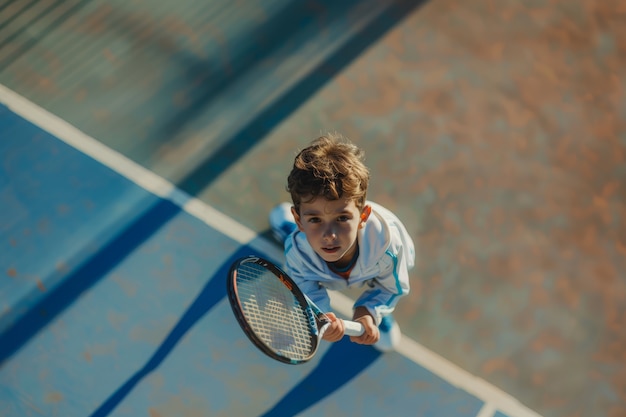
{"type": "Point", "coordinates": [331, 227]}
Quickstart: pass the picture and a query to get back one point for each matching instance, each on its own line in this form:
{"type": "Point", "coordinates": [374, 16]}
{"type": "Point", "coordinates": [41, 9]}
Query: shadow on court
{"type": "Point", "coordinates": [338, 366]}
{"type": "Point", "coordinates": [211, 295]}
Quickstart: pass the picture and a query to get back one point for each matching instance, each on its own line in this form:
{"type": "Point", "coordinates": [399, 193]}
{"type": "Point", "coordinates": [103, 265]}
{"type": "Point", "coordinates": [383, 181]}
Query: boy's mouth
{"type": "Point", "coordinates": [331, 250]}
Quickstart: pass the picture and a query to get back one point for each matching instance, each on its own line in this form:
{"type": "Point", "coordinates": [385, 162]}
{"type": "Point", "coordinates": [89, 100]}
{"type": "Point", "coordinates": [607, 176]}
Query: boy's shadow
{"type": "Point", "coordinates": [212, 293]}
{"type": "Point", "coordinates": [336, 368]}
{"type": "Point", "coordinates": [342, 362]}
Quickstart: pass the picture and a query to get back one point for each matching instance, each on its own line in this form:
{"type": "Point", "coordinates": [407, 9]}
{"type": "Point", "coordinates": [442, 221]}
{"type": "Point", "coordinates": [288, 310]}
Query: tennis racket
{"type": "Point", "coordinates": [275, 314]}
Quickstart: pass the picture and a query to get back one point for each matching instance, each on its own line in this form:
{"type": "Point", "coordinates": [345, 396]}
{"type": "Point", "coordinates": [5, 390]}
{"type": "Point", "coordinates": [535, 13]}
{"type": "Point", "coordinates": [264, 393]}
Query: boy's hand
{"type": "Point", "coordinates": [335, 331]}
{"type": "Point", "coordinates": [371, 333]}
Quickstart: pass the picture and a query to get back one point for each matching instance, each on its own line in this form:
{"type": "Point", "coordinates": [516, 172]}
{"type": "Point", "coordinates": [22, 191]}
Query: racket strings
{"type": "Point", "coordinates": [274, 313]}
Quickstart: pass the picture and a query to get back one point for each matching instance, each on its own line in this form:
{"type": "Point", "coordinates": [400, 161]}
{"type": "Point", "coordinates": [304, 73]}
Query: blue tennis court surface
{"type": "Point", "coordinates": [113, 304]}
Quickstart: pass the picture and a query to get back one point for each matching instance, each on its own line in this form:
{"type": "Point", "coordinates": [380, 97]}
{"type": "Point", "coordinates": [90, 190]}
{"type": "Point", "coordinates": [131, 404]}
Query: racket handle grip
{"type": "Point", "coordinates": [353, 328]}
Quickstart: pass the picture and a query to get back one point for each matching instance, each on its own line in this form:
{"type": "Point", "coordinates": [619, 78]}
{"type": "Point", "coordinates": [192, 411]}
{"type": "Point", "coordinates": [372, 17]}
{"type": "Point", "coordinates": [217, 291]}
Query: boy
{"type": "Point", "coordinates": [335, 239]}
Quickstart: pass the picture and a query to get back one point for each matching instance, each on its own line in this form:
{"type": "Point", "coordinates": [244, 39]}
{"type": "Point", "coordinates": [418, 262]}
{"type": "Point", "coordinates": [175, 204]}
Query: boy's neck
{"type": "Point", "coordinates": [338, 266]}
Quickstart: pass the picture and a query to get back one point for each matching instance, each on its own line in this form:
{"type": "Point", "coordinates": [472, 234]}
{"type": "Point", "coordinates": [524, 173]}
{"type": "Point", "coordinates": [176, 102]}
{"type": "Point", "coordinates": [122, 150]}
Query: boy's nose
{"type": "Point", "coordinates": [329, 233]}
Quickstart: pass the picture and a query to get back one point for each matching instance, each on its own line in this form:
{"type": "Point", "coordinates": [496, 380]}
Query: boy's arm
{"type": "Point", "coordinates": [387, 289]}
{"type": "Point", "coordinates": [297, 260]}
{"type": "Point", "coordinates": [312, 289]}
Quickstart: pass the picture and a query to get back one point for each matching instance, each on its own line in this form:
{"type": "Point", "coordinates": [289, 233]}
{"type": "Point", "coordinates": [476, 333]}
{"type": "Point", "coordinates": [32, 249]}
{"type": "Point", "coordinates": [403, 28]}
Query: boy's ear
{"type": "Point", "coordinates": [365, 214]}
{"type": "Point", "coordinates": [296, 216]}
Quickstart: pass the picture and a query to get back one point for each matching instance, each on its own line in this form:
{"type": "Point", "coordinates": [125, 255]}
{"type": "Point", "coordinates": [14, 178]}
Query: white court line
{"type": "Point", "coordinates": [493, 397]}
{"type": "Point", "coordinates": [487, 411]}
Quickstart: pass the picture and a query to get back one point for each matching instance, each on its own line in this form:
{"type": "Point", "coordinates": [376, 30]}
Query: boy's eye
{"type": "Point", "coordinates": [342, 218]}
{"type": "Point", "coordinates": [314, 219]}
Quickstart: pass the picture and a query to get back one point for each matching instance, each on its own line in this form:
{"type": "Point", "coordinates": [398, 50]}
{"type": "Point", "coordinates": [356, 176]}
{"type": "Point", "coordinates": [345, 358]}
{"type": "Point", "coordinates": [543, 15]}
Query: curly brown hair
{"type": "Point", "coordinates": [331, 167]}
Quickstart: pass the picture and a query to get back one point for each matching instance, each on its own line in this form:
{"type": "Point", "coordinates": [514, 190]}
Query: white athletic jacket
{"type": "Point", "coordinates": [386, 254]}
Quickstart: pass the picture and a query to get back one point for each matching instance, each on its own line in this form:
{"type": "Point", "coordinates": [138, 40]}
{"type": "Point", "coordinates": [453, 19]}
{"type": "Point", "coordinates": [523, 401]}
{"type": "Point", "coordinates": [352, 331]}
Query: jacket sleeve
{"type": "Point", "coordinates": [312, 289]}
{"type": "Point", "coordinates": [391, 284]}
